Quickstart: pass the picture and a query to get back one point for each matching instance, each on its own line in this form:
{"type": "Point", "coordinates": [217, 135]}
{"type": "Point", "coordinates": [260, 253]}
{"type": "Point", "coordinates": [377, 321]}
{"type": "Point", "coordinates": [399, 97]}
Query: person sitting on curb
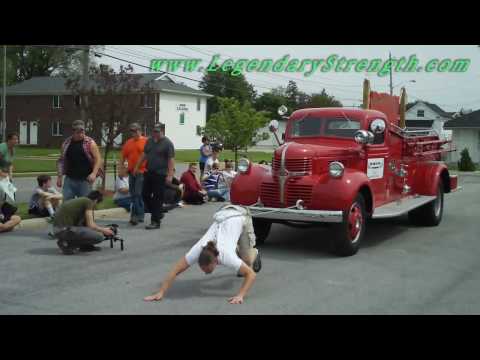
{"type": "Point", "coordinates": [193, 192]}
{"type": "Point", "coordinates": [45, 199]}
{"type": "Point", "coordinates": [122, 197]}
{"type": "Point", "coordinates": [230, 241]}
{"type": "Point", "coordinates": [173, 194]}
{"type": "Point", "coordinates": [74, 227]}
{"type": "Point", "coordinates": [215, 185]}
{"type": "Point", "coordinates": [8, 219]}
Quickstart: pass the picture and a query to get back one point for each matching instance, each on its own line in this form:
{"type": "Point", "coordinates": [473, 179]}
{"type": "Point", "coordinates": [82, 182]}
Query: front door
{"type": "Point", "coordinates": [23, 133]}
{"type": "Point", "coordinates": [33, 133]}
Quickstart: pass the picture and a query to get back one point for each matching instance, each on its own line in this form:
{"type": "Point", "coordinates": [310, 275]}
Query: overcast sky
{"type": "Point", "coordinates": [451, 91]}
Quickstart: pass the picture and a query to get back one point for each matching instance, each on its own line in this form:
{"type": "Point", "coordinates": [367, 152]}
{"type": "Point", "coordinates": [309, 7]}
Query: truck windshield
{"type": "Point", "coordinates": [329, 127]}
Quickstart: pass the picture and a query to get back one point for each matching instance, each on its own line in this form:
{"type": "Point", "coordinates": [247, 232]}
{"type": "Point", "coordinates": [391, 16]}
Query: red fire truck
{"type": "Point", "coordinates": [342, 166]}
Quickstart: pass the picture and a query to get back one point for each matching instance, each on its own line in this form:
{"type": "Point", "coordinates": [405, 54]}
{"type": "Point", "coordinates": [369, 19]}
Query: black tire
{"type": "Point", "coordinates": [349, 237]}
{"type": "Point", "coordinates": [262, 229]}
{"type": "Point", "coordinates": [429, 214]}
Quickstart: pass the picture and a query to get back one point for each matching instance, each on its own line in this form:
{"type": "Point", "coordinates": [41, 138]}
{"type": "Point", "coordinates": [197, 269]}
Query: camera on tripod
{"type": "Point", "coordinates": [115, 237]}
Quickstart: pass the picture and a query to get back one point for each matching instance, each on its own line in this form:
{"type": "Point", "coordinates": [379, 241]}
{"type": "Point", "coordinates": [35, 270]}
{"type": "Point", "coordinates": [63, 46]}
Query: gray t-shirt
{"type": "Point", "coordinates": [158, 154]}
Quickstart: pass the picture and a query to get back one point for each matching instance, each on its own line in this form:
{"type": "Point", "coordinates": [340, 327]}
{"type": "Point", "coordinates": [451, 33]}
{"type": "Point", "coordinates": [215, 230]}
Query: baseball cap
{"type": "Point", "coordinates": [135, 126]}
{"type": "Point", "coordinates": [159, 127]}
{"type": "Point", "coordinates": [78, 125]}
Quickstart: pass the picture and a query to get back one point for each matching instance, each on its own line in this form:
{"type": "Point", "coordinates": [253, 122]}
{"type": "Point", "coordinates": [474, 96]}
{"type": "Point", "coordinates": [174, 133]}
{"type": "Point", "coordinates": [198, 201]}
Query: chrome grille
{"type": "Point", "coordinates": [270, 194]}
{"type": "Point", "coordinates": [293, 165]}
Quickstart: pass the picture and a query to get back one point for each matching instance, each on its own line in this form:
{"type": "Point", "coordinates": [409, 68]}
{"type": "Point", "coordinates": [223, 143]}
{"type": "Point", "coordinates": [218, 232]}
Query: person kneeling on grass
{"type": "Point", "coordinates": [45, 199]}
{"type": "Point", "coordinates": [74, 227]}
{"type": "Point", "coordinates": [229, 241]}
{"type": "Point", "coordinates": [8, 219]}
{"type": "Point", "coordinates": [122, 196]}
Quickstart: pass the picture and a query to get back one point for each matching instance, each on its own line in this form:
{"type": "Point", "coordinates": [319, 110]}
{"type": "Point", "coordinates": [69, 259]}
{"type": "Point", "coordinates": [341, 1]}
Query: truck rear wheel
{"type": "Point", "coordinates": [431, 213]}
{"type": "Point", "coordinates": [352, 230]}
{"type": "Point", "coordinates": [262, 229]}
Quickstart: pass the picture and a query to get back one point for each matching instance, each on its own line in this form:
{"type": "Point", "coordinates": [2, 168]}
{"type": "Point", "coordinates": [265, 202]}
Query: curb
{"type": "Point", "coordinates": [99, 214]}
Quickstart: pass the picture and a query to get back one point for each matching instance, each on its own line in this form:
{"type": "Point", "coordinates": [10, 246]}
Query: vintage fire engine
{"type": "Point", "coordinates": [342, 166]}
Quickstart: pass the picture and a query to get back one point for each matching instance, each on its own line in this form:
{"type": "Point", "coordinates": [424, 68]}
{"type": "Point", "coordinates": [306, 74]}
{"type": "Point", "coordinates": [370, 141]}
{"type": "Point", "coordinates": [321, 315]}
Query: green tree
{"type": "Point", "coordinates": [465, 163]}
{"type": "Point", "coordinates": [323, 100]}
{"type": "Point", "coordinates": [25, 62]}
{"type": "Point", "coordinates": [222, 84]}
{"type": "Point", "coordinates": [270, 102]}
{"type": "Point", "coordinates": [236, 125]}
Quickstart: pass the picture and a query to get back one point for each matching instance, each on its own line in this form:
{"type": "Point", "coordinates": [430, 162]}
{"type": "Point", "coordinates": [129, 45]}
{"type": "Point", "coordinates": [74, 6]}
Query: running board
{"type": "Point", "coordinates": [401, 207]}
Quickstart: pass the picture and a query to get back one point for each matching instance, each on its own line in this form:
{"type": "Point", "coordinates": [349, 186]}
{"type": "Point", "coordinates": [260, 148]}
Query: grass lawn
{"type": "Point", "coordinates": [35, 165]}
{"type": "Point", "coordinates": [23, 208]}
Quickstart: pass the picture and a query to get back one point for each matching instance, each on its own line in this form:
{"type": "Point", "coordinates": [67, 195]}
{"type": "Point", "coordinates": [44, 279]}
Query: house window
{"type": "Point", "coordinates": [1, 104]}
{"type": "Point", "coordinates": [57, 128]}
{"type": "Point", "coordinates": [147, 101]}
{"type": "Point", "coordinates": [199, 130]}
{"type": "Point", "coordinates": [56, 102]}
{"type": "Point", "coordinates": [199, 102]}
{"type": "Point", "coordinates": [420, 113]}
{"type": "Point", "coordinates": [77, 100]}
{"type": "Point", "coordinates": [182, 119]}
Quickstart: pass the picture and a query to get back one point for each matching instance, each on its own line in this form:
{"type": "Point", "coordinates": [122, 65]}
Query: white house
{"type": "Point", "coordinates": [424, 115]}
{"type": "Point", "coordinates": [466, 134]}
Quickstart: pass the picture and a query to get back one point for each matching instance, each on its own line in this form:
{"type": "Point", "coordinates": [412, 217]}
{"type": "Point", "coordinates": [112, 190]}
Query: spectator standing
{"type": "Point", "coordinates": [212, 160]}
{"type": "Point", "coordinates": [131, 152]}
{"type": "Point", "coordinates": [45, 199]}
{"type": "Point", "coordinates": [80, 161]}
{"type": "Point", "coordinates": [7, 151]}
{"type": "Point", "coordinates": [193, 192]}
{"type": "Point", "coordinates": [205, 153]}
{"type": "Point", "coordinates": [159, 153]}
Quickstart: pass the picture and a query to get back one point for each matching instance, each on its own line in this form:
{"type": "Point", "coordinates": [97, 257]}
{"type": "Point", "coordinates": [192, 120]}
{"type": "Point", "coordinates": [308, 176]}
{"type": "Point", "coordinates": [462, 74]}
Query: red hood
{"type": "Point", "coordinates": [297, 150]}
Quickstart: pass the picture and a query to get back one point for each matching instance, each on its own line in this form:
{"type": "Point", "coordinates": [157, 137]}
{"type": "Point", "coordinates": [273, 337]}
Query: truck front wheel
{"type": "Point", "coordinates": [431, 213]}
{"type": "Point", "coordinates": [352, 230]}
{"type": "Point", "coordinates": [262, 229]}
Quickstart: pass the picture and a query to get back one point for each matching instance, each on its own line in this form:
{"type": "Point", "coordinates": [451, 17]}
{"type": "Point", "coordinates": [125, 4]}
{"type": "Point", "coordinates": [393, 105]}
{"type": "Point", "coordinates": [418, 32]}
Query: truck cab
{"type": "Point", "coordinates": [345, 165]}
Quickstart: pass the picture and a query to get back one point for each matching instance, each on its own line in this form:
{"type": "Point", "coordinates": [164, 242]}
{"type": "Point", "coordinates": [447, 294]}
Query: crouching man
{"type": "Point", "coordinates": [74, 227]}
{"type": "Point", "coordinates": [229, 241]}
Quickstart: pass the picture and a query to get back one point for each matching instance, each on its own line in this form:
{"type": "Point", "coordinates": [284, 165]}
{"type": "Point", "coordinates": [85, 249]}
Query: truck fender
{"type": "Point", "coordinates": [338, 194]}
{"type": "Point", "coordinates": [428, 175]}
{"type": "Point", "coordinates": [245, 189]}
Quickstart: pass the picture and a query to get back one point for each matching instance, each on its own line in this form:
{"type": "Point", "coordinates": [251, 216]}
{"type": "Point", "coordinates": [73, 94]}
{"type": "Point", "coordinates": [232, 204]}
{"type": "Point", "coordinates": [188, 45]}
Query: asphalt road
{"type": "Point", "coordinates": [400, 269]}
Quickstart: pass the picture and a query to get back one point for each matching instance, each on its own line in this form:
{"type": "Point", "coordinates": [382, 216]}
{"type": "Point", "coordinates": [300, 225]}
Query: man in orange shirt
{"type": "Point", "coordinates": [131, 152]}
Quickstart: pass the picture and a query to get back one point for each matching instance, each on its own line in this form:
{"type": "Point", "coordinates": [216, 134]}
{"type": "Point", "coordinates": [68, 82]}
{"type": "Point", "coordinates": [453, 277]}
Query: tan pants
{"type": "Point", "coordinates": [246, 249]}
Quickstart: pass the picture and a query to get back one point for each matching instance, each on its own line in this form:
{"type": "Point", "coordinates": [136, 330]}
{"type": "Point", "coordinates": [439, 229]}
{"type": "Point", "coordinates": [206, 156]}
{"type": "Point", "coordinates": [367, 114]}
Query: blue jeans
{"type": "Point", "coordinates": [219, 193]}
{"type": "Point", "coordinates": [125, 203]}
{"type": "Point", "coordinates": [73, 188]}
{"type": "Point", "coordinates": [135, 184]}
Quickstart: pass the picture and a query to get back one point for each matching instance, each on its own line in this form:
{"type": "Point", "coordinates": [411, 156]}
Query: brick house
{"type": "Point", "coordinates": [41, 111]}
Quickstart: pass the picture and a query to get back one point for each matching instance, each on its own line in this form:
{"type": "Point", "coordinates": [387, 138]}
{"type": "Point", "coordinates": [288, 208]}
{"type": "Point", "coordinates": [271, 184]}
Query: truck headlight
{"type": "Point", "coordinates": [336, 169]}
{"type": "Point", "coordinates": [243, 165]}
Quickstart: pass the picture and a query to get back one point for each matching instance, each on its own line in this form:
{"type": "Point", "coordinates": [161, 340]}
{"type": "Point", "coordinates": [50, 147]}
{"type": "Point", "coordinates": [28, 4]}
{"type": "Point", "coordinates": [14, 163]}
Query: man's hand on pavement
{"type": "Point", "coordinates": [155, 297]}
{"type": "Point", "coordinates": [236, 300]}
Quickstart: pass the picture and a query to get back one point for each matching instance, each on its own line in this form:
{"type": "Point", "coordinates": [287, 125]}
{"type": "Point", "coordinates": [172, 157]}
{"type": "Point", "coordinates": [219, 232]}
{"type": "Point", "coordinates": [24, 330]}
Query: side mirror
{"type": "Point", "coordinates": [364, 137]}
{"type": "Point", "coordinates": [282, 110]}
{"type": "Point", "coordinates": [273, 126]}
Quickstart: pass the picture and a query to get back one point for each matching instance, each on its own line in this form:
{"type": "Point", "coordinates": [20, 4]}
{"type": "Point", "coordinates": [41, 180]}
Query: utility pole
{"type": "Point", "coordinates": [85, 68]}
{"type": "Point", "coordinates": [391, 82]}
{"type": "Point", "coordinates": [4, 94]}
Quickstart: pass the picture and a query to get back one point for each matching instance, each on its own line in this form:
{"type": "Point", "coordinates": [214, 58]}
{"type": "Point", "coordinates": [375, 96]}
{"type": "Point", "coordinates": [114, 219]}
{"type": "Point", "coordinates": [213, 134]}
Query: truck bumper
{"type": "Point", "coordinates": [280, 214]}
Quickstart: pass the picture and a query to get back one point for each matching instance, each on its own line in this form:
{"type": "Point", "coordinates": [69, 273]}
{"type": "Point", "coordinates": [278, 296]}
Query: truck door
{"type": "Point", "coordinates": [378, 158]}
